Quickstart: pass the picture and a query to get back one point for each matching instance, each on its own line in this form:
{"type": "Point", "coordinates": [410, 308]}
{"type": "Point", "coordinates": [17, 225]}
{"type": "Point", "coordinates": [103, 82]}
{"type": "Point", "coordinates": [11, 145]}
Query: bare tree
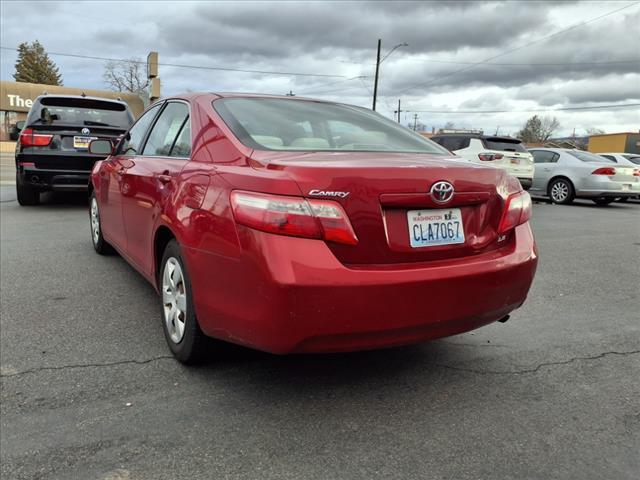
{"type": "Point", "coordinates": [449, 125]}
{"type": "Point", "coordinates": [594, 131]}
{"type": "Point", "coordinates": [538, 129]}
{"type": "Point", "coordinates": [125, 75]}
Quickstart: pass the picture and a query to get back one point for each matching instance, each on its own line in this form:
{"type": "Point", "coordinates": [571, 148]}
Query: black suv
{"type": "Point", "coordinates": [52, 152]}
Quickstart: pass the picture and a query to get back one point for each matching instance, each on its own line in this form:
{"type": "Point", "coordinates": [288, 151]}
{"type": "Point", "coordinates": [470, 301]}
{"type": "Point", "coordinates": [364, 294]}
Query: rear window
{"type": "Point", "coordinates": [452, 143]}
{"type": "Point", "coordinates": [633, 158]}
{"type": "Point", "coordinates": [588, 157]}
{"type": "Point", "coordinates": [503, 144]}
{"type": "Point", "coordinates": [80, 111]}
{"type": "Point", "coordinates": [298, 125]}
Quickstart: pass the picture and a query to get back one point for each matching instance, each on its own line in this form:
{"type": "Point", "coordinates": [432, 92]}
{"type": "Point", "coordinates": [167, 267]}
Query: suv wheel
{"type": "Point", "coordinates": [27, 195]}
{"type": "Point", "coordinates": [179, 322]}
{"type": "Point", "coordinates": [100, 245]}
{"type": "Point", "coordinates": [561, 191]}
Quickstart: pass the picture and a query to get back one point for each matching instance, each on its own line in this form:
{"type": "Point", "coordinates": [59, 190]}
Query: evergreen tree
{"type": "Point", "coordinates": [35, 66]}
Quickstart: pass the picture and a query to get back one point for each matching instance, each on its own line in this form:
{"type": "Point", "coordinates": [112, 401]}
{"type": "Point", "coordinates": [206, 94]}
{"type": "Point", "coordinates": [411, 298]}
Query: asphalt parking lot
{"type": "Point", "coordinates": [89, 390]}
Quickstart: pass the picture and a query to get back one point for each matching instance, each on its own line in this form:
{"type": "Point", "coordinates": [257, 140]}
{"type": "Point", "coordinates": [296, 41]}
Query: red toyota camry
{"type": "Point", "coordinates": [296, 225]}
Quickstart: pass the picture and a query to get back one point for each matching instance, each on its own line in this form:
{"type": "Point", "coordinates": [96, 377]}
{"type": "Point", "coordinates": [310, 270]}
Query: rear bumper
{"type": "Point", "coordinates": [602, 186]}
{"type": "Point", "coordinates": [45, 179]}
{"type": "Point", "coordinates": [292, 295]}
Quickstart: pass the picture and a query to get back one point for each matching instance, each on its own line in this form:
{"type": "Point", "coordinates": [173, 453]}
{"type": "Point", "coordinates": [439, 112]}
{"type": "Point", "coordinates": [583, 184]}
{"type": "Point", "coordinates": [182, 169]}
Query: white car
{"type": "Point", "coordinates": [629, 159]}
{"type": "Point", "coordinates": [503, 152]}
{"type": "Point", "coordinates": [564, 174]}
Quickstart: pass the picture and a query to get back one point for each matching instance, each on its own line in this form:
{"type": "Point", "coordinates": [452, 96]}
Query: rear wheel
{"type": "Point", "coordinates": [561, 191]}
{"type": "Point", "coordinates": [602, 201]}
{"type": "Point", "coordinates": [27, 195]}
{"type": "Point", "coordinates": [179, 322]}
{"type": "Point", "coordinates": [100, 245]}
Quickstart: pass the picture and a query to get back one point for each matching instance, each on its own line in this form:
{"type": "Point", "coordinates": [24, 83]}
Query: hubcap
{"type": "Point", "coordinates": [95, 221]}
{"type": "Point", "coordinates": [559, 191]}
{"type": "Point", "coordinates": [174, 299]}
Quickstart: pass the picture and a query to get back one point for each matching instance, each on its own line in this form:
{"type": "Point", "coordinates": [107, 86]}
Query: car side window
{"type": "Point", "coordinates": [544, 156]}
{"type": "Point", "coordinates": [610, 157]}
{"type": "Point", "coordinates": [132, 141]}
{"type": "Point", "coordinates": [182, 146]}
{"type": "Point", "coordinates": [166, 130]}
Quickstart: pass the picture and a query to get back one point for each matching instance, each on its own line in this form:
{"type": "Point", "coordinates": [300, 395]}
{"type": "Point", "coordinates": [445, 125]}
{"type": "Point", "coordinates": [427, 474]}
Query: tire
{"type": "Point", "coordinates": [602, 201]}
{"type": "Point", "coordinates": [561, 191]}
{"type": "Point", "coordinates": [100, 245]}
{"type": "Point", "coordinates": [179, 323]}
{"type": "Point", "coordinates": [27, 195]}
{"type": "Point", "coordinates": [623, 199]}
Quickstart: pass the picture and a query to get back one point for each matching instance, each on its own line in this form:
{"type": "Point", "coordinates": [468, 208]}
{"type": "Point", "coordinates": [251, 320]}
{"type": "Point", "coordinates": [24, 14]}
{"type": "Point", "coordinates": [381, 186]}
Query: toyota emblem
{"type": "Point", "coordinates": [85, 131]}
{"type": "Point", "coordinates": [441, 192]}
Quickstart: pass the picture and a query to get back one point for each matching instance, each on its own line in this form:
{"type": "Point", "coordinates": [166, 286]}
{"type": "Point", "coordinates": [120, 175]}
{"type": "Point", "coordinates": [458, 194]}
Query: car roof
{"type": "Point", "coordinates": [479, 135]}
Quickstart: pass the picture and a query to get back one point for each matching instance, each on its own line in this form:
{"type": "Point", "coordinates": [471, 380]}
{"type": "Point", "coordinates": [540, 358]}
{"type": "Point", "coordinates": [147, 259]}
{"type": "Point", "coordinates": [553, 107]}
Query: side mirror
{"type": "Point", "coordinates": [101, 147]}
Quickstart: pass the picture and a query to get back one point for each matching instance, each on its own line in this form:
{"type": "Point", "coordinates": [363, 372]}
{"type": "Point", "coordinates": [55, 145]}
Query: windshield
{"type": "Point", "coordinates": [504, 144]}
{"type": "Point", "coordinates": [81, 111]}
{"type": "Point", "coordinates": [633, 158]}
{"type": "Point", "coordinates": [282, 124]}
{"type": "Point", "coordinates": [589, 157]}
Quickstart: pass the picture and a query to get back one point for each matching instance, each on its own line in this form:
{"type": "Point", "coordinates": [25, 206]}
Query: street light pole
{"type": "Point", "coordinates": [375, 83]}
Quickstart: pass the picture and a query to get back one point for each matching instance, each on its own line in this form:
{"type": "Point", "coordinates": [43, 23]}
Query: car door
{"type": "Point", "coordinates": [545, 164]}
{"type": "Point", "coordinates": [111, 179]}
{"type": "Point", "coordinates": [151, 179]}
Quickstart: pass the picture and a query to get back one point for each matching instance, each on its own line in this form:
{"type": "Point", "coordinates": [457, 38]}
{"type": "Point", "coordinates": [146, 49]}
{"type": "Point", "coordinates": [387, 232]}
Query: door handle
{"type": "Point", "coordinates": [164, 177]}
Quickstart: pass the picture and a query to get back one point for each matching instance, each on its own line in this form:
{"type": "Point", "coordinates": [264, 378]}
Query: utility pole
{"type": "Point", "coordinates": [415, 122]}
{"type": "Point", "coordinates": [375, 83]}
{"type": "Point", "coordinates": [398, 111]}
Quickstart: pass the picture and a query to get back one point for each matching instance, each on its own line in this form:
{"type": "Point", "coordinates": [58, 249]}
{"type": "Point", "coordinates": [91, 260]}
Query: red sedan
{"type": "Point", "coordinates": [296, 225]}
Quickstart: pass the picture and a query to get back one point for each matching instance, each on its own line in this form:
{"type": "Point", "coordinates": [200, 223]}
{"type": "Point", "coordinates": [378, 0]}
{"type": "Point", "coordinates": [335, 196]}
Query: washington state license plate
{"type": "Point", "coordinates": [428, 228]}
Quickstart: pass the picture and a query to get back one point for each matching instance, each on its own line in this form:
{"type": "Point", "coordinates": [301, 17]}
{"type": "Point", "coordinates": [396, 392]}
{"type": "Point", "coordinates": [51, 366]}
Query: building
{"type": "Point", "coordinates": [627, 142]}
{"type": "Point", "coordinates": [16, 99]}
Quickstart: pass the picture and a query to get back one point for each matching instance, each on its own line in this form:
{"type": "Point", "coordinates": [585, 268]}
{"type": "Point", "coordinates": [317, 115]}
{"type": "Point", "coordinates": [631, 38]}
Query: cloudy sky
{"type": "Point", "coordinates": [525, 68]}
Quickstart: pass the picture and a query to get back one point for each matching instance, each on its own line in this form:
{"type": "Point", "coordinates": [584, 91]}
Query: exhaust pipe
{"type": "Point", "coordinates": [504, 319]}
{"type": "Point", "coordinates": [35, 179]}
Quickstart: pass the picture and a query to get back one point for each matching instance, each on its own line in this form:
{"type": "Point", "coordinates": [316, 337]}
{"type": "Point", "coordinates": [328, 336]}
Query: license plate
{"type": "Point", "coordinates": [626, 187]}
{"type": "Point", "coordinates": [428, 228]}
{"type": "Point", "coordinates": [515, 161]}
{"type": "Point", "coordinates": [82, 142]}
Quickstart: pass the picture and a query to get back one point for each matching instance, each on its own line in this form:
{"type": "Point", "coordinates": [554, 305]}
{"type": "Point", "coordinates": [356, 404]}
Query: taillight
{"type": "Point", "coordinates": [636, 172]}
{"type": "Point", "coordinates": [293, 216]}
{"type": "Point", "coordinates": [517, 210]}
{"type": "Point", "coordinates": [30, 139]}
{"type": "Point", "coordinates": [604, 171]}
{"type": "Point", "coordinates": [488, 157]}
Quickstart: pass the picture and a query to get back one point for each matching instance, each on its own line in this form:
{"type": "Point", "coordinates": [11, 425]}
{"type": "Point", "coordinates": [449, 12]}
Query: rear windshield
{"type": "Point", "coordinates": [298, 125]}
{"type": "Point", "coordinates": [504, 144]}
{"type": "Point", "coordinates": [589, 157]}
{"type": "Point", "coordinates": [80, 111]}
{"type": "Point", "coordinates": [633, 158]}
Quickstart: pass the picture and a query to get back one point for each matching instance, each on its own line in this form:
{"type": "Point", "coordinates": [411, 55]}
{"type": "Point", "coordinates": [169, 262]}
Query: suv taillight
{"type": "Point", "coordinates": [488, 157]}
{"type": "Point", "coordinates": [293, 216]}
{"type": "Point", "coordinates": [30, 139]}
{"type": "Point", "coordinates": [517, 210]}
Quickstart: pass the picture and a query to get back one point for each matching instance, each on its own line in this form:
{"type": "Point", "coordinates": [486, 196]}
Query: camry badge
{"type": "Point", "coordinates": [85, 131]}
{"type": "Point", "coordinates": [326, 193]}
{"type": "Point", "coordinates": [441, 192]}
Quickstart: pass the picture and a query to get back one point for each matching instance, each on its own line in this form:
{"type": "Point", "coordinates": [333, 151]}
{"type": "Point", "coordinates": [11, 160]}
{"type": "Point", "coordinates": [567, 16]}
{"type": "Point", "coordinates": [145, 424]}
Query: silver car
{"type": "Point", "coordinates": [564, 174]}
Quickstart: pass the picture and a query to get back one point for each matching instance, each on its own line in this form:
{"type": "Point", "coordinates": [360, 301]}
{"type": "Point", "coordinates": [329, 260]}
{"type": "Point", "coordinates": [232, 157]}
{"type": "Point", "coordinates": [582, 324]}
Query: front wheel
{"type": "Point", "coordinates": [561, 191]}
{"type": "Point", "coordinates": [179, 322]}
{"type": "Point", "coordinates": [601, 202]}
{"type": "Point", "coordinates": [27, 195]}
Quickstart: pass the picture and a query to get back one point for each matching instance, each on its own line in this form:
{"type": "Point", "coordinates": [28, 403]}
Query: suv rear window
{"type": "Point", "coordinates": [81, 111]}
{"type": "Point", "coordinates": [503, 144]}
{"type": "Point", "coordinates": [452, 143]}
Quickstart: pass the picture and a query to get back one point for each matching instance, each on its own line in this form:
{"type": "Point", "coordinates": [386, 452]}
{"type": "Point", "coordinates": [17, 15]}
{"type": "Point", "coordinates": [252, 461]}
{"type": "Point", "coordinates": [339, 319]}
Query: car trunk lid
{"type": "Point", "coordinates": [378, 190]}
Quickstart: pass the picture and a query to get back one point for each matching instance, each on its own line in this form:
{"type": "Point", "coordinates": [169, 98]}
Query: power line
{"type": "Point", "coordinates": [533, 42]}
{"type": "Point", "coordinates": [533, 64]}
{"type": "Point", "coordinates": [199, 67]}
{"type": "Point", "coordinates": [332, 83]}
{"type": "Point", "coordinates": [596, 107]}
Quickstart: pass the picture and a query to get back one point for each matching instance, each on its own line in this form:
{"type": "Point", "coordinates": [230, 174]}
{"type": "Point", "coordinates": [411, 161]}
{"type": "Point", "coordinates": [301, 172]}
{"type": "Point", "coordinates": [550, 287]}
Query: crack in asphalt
{"type": "Point", "coordinates": [441, 365]}
{"type": "Point", "coordinates": [87, 365]}
{"type": "Point", "coordinates": [537, 367]}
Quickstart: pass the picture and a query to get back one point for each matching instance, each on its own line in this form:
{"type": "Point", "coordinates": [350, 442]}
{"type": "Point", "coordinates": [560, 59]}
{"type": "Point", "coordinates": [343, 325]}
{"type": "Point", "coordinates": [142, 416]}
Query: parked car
{"type": "Point", "coordinates": [566, 174]}
{"type": "Point", "coordinates": [629, 159]}
{"type": "Point", "coordinates": [52, 149]}
{"type": "Point", "coordinates": [294, 225]}
{"type": "Point", "coordinates": [502, 152]}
